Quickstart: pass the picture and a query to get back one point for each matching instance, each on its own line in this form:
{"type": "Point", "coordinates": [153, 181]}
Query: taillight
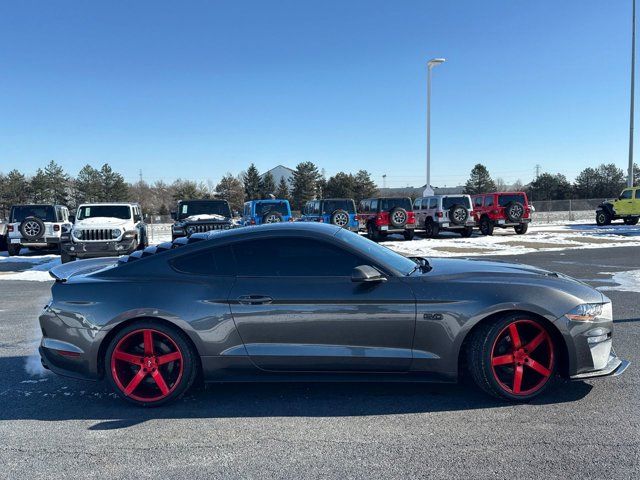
{"type": "Point", "coordinates": [9, 228]}
{"type": "Point", "coordinates": [56, 228]}
{"type": "Point", "coordinates": [253, 221]}
{"type": "Point", "coordinates": [291, 219]}
{"type": "Point", "coordinates": [321, 220]}
{"type": "Point", "coordinates": [495, 212]}
{"type": "Point", "coordinates": [411, 218]}
{"type": "Point", "coordinates": [382, 218]}
{"type": "Point", "coordinates": [439, 214]}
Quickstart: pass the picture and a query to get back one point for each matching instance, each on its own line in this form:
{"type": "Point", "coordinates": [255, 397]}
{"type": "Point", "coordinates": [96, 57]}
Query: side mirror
{"type": "Point", "coordinates": [174, 215]}
{"type": "Point", "coordinates": [367, 273]}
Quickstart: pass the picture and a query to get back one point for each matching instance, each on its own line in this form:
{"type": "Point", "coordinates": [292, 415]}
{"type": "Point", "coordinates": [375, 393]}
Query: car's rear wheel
{"type": "Point", "coordinates": [431, 228]}
{"type": "Point", "coordinates": [513, 358]}
{"type": "Point", "coordinates": [150, 364]}
{"type": "Point", "coordinates": [466, 232]}
{"type": "Point", "coordinates": [13, 249]}
{"type": "Point", "coordinates": [522, 228]}
{"type": "Point", "coordinates": [486, 226]}
{"type": "Point", "coordinates": [408, 234]}
{"type": "Point", "coordinates": [631, 221]}
{"type": "Point", "coordinates": [372, 233]}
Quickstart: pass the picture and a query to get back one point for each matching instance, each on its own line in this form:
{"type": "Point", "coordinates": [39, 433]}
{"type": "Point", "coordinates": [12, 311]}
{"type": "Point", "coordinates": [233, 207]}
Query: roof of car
{"type": "Point", "coordinates": [108, 203]}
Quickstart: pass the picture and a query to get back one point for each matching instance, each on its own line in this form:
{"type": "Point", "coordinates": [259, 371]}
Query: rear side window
{"type": "Point", "coordinates": [488, 201]}
{"type": "Point", "coordinates": [638, 193]}
{"type": "Point", "coordinates": [478, 202]}
{"type": "Point", "coordinates": [293, 257]}
{"type": "Point", "coordinates": [417, 203]}
{"type": "Point", "coordinates": [433, 203]}
{"type": "Point", "coordinates": [505, 199]}
{"type": "Point", "coordinates": [212, 261]}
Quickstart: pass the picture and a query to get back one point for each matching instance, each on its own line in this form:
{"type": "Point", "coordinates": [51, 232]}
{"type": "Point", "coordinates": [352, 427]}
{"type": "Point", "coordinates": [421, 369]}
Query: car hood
{"type": "Point", "coordinates": [100, 222]}
{"type": "Point", "coordinates": [506, 273]}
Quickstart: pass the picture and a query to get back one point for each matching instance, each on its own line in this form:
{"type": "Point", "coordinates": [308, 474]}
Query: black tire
{"type": "Point", "coordinates": [372, 232]}
{"type": "Point", "coordinates": [480, 355]}
{"type": "Point", "coordinates": [409, 234]}
{"type": "Point", "coordinates": [458, 214]}
{"type": "Point", "coordinates": [13, 249]}
{"type": "Point", "coordinates": [603, 217]}
{"type": "Point", "coordinates": [190, 365]}
{"type": "Point", "coordinates": [340, 218]}
{"type": "Point", "coordinates": [466, 232]}
{"type": "Point", "coordinates": [631, 220]}
{"type": "Point", "coordinates": [514, 211]}
{"type": "Point", "coordinates": [522, 228]}
{"type": "Point", "coordinates": [272, 217]}
{"type": "Point", "coordinates": [32, 228]}
{"type": "Point", "coordinates": [398, 217]}
{"type": "Point", "coordinates": [486, 226]}
{"type": "Point", "coordinates": [431, 228]}
{"type": "Point", "coordinates": [65, 257]}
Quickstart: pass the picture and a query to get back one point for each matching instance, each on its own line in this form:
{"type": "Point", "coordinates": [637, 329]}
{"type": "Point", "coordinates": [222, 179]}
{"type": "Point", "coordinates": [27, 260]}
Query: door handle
{"type": "Point", "coordinates": [254, 299]}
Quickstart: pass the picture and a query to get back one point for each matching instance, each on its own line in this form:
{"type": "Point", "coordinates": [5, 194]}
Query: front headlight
{"type": "Point", "coordinates": [130, 234]}
{"type": "Point", "coordinates": [591, 312]}
{"type": "Point", "coordinates": [116, 232]}
{"type": "Point", "coordinates": [77, 234]}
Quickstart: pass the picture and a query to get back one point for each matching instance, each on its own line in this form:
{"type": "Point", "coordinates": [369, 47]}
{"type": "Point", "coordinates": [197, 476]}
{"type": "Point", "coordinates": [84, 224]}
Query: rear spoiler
{"type": "Point", "coordinates": [64, 272]}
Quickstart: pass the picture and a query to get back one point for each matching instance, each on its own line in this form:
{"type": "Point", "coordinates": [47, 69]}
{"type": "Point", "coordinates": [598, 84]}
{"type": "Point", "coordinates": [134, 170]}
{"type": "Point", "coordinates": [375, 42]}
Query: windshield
{"type": "Point", "coordinates": [110, 211]}
{"type": "Point", "coordinates": [387, 204]}
{"type": "Point", "coordinates": [209, 207]}
{"type": "Point", "coordinates": [505, 199]}
{"type": "Point", "coordinates": [448, 202]}
{"type": "Point", "coordinates": [45, 213]}
{"type": "Point", "coordinates": [383, 255]}
{"type": "Point", "coordinates": [330, 206]}
{"type": "Point", "coordinates": [263, 208]}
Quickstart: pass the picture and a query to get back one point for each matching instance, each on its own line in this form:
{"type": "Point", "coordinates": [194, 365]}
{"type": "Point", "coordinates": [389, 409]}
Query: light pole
{"type": "Point", "coordinates": [430, 64]}
{"type": "Point", "coordinates": [633, 71]}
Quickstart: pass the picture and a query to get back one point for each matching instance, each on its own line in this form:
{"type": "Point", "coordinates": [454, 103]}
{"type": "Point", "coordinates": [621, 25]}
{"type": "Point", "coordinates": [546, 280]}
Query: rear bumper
{"type": "Point", "coordinates": [391, 229]}
{"type": "Point", "coordinates": [507, 223]}
{"type": "Point", "coordinates": [98, 249]}
{"type": "Point", "coordinates": [41, 242]}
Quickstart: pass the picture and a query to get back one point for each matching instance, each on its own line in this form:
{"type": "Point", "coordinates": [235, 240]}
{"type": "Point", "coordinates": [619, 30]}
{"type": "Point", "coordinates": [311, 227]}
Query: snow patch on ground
{"type": "Point", "coordinates": [38, 273]}
{"type": "Point", "coordinates": [627, 281]}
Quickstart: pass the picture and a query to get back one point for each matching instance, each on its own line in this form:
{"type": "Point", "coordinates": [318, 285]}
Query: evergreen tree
{"type": "Point", "coordinates": [550, 187]}
{"type": "Point", "coordinates": [341, 185]}
{"type": "Point", "coordinates": [38, 187]}
{"type": "Point", "coordinates": [480, 181]}
{"type": "Point", "coordinates": [283, 189]}
{"type": "Point", "coordinates": [88, 185]}
{"type": "Point", "coordinates": [231, 189]}
{"type": "Point", "coordinates": [267, 185]}
{"type": "Point", "coordinates": [251, 181]}
{"type": "Point", "coordinates": [15, 189]}
{"type": "Point", "coordinates": [363, 186]}
{"type": "Point", "coordinates": [57, 184]}
{"type": "Point", "coordinates": [187, 190]}
{"type": "Point", "coordinates": [114, 188]}
{"type": "Point", "coordinates": [304, 183]}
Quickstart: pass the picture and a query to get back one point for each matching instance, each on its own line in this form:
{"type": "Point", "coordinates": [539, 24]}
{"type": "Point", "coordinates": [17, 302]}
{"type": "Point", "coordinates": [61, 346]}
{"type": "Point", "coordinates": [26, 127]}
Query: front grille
{"type": "Point", "coordinates": [96, 234]}
{"type": "Point", "coordinates": [208, 227]}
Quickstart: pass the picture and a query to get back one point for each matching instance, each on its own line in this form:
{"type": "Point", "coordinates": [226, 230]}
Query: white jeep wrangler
{"type": "Point", "coordinates": [36, 227]}
{"type": "Point", "coordinates": [444, 212]}
{"type": "Point", "coordinates": [104, 230]}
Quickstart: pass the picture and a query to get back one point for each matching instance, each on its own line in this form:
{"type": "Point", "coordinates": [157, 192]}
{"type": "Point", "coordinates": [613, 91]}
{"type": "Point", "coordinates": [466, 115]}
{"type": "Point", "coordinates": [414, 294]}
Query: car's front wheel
{"type": "Point", "coordinates": [603, 218]}
{"type": "Point", "coordinates": [13, 249]}
{"type": "Point", "coordinates": [513, 358]}
{"type": "Point", "coordinates": [486, 226]}
{"type": "Point", "coordinates": [631, 220]}
{"type": "Point", "coordinates": [149, 363]}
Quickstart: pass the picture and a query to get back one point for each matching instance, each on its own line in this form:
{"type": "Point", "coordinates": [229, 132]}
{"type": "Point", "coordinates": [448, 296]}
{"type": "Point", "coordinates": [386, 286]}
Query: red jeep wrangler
{"type": "Point", "coordinates": [380, 216]}
{"type": "Point", "coordinates": [502, 209]}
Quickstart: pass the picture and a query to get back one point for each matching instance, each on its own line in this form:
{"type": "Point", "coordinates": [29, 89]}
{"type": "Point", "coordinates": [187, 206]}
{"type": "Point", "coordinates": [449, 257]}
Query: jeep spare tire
{"type": "Point", "coordinates": [340, 218]}
{"type": "Point", "coordinates": [398, 217]}
{"type": "Point", "coordinates": [458, 214]}
{"type": "Point", "coordinates": [271, 217]}
{"type": "Point", "coordinates": [514, 211]}
{"type": "Point", "coordinates": [32, 228]}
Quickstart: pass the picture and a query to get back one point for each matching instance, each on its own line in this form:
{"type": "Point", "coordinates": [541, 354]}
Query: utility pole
{"type": "Point", "coordinates": [538, 167]}
{"type": "Point", "coordinates": [633, 74]}
{"type": "Point", "coordinates": [428, 191]}
{"type": "Point", "coordinates": [140, 175]}
{"type": "Point", "coordinates": [384, 181]}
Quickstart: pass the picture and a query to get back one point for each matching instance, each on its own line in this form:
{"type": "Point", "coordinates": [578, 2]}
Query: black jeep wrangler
{"type": "Point", "coordinates": [194, 216]}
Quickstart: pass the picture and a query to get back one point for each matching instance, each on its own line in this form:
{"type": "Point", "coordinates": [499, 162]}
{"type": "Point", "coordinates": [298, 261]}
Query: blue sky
{"type": "Point", "coordinates": [196, 89]}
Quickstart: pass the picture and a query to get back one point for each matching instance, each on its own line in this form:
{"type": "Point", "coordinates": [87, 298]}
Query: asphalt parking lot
{"type": "Point", "coordinates": [55, 427]}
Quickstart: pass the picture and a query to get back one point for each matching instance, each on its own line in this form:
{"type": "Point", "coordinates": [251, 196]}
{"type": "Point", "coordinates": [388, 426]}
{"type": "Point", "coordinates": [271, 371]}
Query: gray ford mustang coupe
{"type": "Point", "coordinates": [308, 301]}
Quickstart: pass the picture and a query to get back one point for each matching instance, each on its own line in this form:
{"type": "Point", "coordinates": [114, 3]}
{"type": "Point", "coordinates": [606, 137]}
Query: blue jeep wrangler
{"type": "Point", "coordinates": [336, 211]}
{"type": "Point", "coordinates": [257, 212]}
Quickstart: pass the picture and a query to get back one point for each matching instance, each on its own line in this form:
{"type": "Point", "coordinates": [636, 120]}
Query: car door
{"type": "Point", "coordinates": [624, 204]}
{"type": "Point", "coordinates": [296, 309]}
{"type": "Point", "coordinates": [417, 212]}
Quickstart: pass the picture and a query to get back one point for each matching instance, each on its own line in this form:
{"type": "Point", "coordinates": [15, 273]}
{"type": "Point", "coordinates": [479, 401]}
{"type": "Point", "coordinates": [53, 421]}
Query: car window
{"type": "Point", "coordinates": [111, 211]}
{"type": "Point", "coordinates": [448, 202]}
{"type": "Point", "coordinates": [488, 201]}
{"type": "Point", "coordinates": [263, 208]}
{"type": "Point", "coordinates": [203, 207]}
{"type": "Point", "coordinates": [374, 205]}
{"type": "Point", "coordinates": [478, 201]}
{"type": "Point", "coordinates": [247, 209]}
{"type": "Point", "coordinates": [330, 206]}
{"type": "Point", "coordinates": [386, 204]}
{"type": "Point", "coordinates": [417, 203]}
{"type": "Point", "coordinates": [638, 193]}
{"type": "Point", "coordinates": [293, 257]}
{"type": "Point", "coordinates": [503, 200]}
{"type": "Point", "coordinates": [433, 202]}
{"type": "Point", "coordinates": [213, 261]}
{"type": "Point", "coordinates": [626, 195]}
{"type": "Point", "coordinates": [45, 213]}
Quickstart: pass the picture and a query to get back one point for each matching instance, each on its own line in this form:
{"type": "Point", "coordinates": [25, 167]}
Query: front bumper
{"type": "Point", "coordinates": [614, 367]}
{"type": "Point", "coordinates": [99, 249]}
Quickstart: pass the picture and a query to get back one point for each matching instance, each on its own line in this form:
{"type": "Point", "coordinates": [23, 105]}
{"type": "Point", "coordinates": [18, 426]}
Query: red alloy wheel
{"type": "Point", "coordinates": [147, 365]}
{"type": "Point", "coordinates": [522, 358]}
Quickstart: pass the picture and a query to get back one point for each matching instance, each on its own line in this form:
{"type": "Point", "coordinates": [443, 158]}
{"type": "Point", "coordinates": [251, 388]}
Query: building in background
{"type": "Point", "coordinates": [278, 172]}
